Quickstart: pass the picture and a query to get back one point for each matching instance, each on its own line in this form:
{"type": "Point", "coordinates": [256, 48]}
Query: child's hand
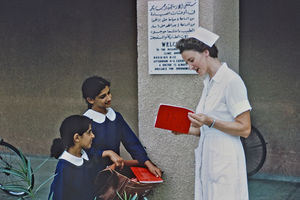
{"type": "Point", "coordinates": [153, 169]}
{"type": "Point", "coordinates": [115, 158]}
{"type": "Point", "coordinates": [113, 166]}
{"type": "Point", "coordinates": [134, 179]}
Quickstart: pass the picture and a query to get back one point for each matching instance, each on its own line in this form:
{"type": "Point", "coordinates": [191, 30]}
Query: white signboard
{"type": "Point", "coordinates": [168, 22]}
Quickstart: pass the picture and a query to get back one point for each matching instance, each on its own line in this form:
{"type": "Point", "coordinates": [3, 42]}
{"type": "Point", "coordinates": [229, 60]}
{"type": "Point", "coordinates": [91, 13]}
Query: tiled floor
{"type": "Point", "coordinates": [260, 187]}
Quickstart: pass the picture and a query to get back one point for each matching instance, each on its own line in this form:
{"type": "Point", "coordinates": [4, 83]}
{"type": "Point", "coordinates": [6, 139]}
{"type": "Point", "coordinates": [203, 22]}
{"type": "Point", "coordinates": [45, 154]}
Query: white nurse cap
{"type": "Point", "coordinates": [205, 36]}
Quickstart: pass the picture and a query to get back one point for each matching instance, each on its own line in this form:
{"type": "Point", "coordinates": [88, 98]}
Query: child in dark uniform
{"type": "Point", "coordinates": [74, 172]}
{"type": "Point", "coordinates": [110, 128]}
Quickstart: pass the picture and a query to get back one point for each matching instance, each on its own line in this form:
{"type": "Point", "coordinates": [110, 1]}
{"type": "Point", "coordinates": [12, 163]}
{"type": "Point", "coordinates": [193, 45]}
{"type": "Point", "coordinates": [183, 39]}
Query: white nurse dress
{"type": "Point", "coordinates": [220, 167]}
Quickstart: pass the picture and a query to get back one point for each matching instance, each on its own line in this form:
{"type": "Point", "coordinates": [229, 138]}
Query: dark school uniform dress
{"type": "Point", "coordinates": [110, 130]}
{"type": "Point", "coordinates": [74, 179]}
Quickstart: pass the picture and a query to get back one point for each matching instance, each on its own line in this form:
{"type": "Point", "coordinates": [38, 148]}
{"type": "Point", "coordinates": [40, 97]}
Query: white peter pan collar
{"type": "Point", "coordinates": [74, 159]}
{"type": "Point", "coordinates": [99, 117]}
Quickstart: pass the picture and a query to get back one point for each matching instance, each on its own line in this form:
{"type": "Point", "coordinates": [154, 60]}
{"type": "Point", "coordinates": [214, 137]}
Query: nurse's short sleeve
{"type": "Point", "coordinates": [236, 97]}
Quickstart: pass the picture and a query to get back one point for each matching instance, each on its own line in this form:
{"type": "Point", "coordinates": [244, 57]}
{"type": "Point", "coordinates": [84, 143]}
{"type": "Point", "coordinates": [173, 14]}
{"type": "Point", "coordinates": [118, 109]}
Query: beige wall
{"type": "Point", "coordinates": [47, 49]}
{"type": "Point", "coordinates": [175, 154]}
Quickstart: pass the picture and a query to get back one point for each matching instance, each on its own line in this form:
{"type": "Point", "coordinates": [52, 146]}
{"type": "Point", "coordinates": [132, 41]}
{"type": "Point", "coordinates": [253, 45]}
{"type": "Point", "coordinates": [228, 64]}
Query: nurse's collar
{"type": "Point", "coordinates": [219, 74]}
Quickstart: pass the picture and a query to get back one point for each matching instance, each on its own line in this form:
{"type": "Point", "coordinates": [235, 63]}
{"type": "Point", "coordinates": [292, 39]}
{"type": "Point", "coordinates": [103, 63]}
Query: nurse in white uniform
{"type": "Point", "coordinates": [222, 117]}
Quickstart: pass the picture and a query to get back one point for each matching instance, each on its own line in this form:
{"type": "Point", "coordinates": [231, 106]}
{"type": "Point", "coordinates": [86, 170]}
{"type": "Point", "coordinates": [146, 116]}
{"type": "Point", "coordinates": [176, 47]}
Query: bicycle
{"type": "Point", "coordinates": [12, 164]}
{"type": "Point", "coordinates": [255, 149]}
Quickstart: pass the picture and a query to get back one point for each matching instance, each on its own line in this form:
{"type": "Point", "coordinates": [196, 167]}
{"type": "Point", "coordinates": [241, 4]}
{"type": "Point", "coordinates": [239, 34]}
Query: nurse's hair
{"type": "Point", "coordinates": [92, 87]}
{"type": "Point", "coordinates": [68, 128]}
{"type": "Point", "coordinates": [196, 45]}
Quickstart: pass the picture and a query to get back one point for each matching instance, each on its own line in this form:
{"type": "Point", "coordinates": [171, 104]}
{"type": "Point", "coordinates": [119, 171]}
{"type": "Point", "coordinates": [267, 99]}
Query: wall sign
{"type": "Point", "coordinates": [168, 22]}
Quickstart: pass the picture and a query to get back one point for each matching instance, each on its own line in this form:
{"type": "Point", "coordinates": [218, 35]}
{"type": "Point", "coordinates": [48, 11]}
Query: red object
{"type": "Point", "coordinates": [173, 118]}
{"type": "Point", "coordinates": [143, 175]}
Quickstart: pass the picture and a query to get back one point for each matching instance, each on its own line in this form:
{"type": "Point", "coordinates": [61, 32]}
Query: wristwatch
{"type": "Point", "coordinates": [212, 124]}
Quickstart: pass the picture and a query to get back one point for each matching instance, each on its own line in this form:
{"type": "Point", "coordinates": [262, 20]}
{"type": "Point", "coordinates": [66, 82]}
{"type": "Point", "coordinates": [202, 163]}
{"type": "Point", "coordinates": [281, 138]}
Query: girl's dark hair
{"type": "Point", "coordinates": [92, 86]}
{"type": "Point", "coordinates": [196, 45]}
{"type": "Point", "coordinates": [71, 125]}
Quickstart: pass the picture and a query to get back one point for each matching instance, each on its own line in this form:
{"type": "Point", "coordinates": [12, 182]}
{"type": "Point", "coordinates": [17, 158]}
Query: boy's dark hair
{"type": "Point", "coordinates": [196, 45]}
{"type": "Point", "coordinates": [68, 128]}
{"type": "Point", "coordinates": [92, 87]}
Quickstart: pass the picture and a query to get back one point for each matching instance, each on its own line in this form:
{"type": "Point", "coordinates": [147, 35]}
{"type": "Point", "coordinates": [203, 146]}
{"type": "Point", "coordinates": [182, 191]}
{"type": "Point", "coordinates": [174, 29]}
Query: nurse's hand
{"type": "Point", "coordinates": [192, 131]}
{"type": "Point", "coordinates": [114, 157]}
{"type": "Point", "coordinates": [197, 120]}
{"type": "Point", "coordinates": [176, 133]}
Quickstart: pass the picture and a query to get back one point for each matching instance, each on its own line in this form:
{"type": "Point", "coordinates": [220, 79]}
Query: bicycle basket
{"type": "Point", "coordinates": [108, 182]}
